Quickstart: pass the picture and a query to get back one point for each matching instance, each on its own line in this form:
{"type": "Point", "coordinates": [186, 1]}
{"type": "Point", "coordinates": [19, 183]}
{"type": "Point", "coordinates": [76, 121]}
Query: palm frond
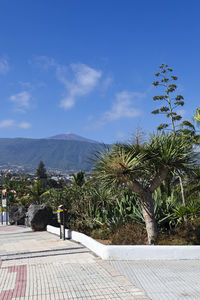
{"type": "Point", "coordinates": [124, 163]}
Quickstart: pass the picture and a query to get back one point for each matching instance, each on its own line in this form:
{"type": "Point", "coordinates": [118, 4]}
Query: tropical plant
{"type": "Point", "coordinates": [190, 128]}
{"type": "Point", "coordinates": [142, 168]}
{"type": "Point", "coordinates": [167, 82]}
{"type": "Point", "coordinates": [197, 115]}
{"type": "Point", "coordinates": [36, 192]}
{"type": "Point", "coordinates": [79, 178]}
{"type": "Point", "coordinates": [192, 189]}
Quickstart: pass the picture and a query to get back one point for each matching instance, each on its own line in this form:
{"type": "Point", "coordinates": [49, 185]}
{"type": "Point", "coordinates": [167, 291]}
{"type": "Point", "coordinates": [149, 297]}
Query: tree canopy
{"type": "Point", "coordinates": [41, 171]}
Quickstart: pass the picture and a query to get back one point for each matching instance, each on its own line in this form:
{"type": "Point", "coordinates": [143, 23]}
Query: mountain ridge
{"type": "Point", "coordinates": [66, 155]}
{"type": "Point", "coordinates": [70, 136]}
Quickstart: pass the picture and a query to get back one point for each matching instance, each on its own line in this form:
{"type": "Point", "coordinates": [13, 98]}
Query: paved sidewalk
{"type": "Point", "coordinates": [40, 266]}
{"type": "Point", "coordinates": [163, 280]}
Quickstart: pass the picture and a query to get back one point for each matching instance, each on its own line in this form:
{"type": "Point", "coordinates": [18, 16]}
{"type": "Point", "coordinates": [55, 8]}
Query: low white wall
{"type": "Point", "coordinates": [53, 229]}
{"type": "Point", "coordinates": [143, 252]}
{"type": "Point", "coordinates": [96, 247]}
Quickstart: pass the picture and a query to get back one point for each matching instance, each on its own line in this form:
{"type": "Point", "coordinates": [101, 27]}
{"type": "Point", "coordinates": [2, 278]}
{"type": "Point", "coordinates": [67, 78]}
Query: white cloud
{"type": "Point", "coordinates": [78, 79]}
{"type": "Point", "coordinates": [84, 82]}
{"type": "Point", "coordinates": [107, 83]}
{"type": "Point", "coordinates": [21, 101]}
{"type": "Point", "coordinates": [43, 62]}
{"type": "Point", "coordinates": [13, 124]}
{"type": "Point", "coordinates": [4, 66]}
{"type": "Point", "coordinates": [123, 106]}
{"type": "Point", "coordinates": [24, 125]}
{"type": "Point", "coordinates": [6, 123]}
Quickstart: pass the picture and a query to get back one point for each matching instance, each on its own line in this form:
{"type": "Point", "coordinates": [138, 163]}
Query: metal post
{"type": "Point", "coordinates": [6, 212]}
{"type": "Point", "coordinates": [63, 235]}
{"type": "Point", "coordinates": [4, 204]}
{"type": "Point", "coordinates": [1, 208]}
{"type": "Point", "coordinates": [61, 220]}
{"type": "Point", "coordinates": [60, 231]}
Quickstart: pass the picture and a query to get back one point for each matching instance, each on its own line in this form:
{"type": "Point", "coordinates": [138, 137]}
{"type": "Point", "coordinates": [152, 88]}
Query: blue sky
{"type": "Point", "coordinates": [87, 66]}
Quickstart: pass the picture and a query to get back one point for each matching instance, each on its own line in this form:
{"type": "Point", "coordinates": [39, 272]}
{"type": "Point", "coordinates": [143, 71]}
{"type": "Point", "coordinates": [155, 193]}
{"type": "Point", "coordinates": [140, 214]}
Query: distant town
{"type": "Point", "coordinates": [19, 169]}
{"type": "Point", "coordinates": [21, 173]}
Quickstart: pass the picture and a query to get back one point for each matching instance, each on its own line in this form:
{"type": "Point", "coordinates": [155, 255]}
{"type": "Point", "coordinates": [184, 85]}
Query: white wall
{"type": "Point", "coordinates": [143, 252]}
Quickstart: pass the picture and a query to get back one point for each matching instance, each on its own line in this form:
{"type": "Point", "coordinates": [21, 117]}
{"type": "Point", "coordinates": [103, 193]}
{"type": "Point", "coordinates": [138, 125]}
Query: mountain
{"type": "Point", "coordinates": [69, 136]}
{"type": "Point", "coordinates": [59, 154]}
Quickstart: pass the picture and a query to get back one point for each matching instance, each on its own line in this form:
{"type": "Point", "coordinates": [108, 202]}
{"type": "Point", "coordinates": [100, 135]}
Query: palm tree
{"type": "Point", "coordinates": [142, 168]}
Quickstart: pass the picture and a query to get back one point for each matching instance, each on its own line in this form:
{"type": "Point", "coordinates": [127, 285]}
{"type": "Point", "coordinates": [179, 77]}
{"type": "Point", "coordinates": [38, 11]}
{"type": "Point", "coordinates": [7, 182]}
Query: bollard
{"type": "Point", "coordinates": [61, 212]}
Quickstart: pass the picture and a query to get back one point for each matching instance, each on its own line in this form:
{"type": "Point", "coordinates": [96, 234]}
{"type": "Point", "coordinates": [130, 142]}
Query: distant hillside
{"type": "Point", "coordinates": [69, 136]}
{"type": "Point", "coordinates": [67, 155]}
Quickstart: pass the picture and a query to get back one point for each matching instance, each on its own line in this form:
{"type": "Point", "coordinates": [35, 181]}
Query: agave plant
{"type": "Point", "coordinates": [189, 129]}
{"type": "Point", "coordinates": [193, 210]}
{"type": "Point", "coordinates": [193, 183]}
{"type": "Point", "coordinates": [197, 115]}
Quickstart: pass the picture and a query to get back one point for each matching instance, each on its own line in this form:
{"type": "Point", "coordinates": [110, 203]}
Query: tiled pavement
{"type": "Point", "coordinates": [39, 266]}
{"type": "Point", "coordinates": [163, 280]}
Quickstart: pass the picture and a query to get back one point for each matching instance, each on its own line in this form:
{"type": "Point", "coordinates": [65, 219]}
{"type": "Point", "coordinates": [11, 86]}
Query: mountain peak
{"type": "Point", "coordinates": [70, 136]}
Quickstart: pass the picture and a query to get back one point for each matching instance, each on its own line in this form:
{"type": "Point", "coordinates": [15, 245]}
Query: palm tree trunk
{"type": "Point", "coordinates": [147, 205]}
{"type": "Point", "coordinates": [182, 190]}
{"type": "Point", "coordinates": [183, 197]}
{"type": "Point", "coordinates": [149, 217]}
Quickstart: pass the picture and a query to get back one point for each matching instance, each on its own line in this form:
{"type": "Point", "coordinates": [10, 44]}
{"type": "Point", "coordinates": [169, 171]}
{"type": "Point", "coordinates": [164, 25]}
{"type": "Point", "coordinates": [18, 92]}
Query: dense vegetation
{"type": "Point", "coordinates": [116, 214]}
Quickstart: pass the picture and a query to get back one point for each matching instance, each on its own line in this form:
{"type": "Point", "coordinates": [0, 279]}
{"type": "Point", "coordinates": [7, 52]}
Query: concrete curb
{"type": "Point", "coordinates": [143, 252]}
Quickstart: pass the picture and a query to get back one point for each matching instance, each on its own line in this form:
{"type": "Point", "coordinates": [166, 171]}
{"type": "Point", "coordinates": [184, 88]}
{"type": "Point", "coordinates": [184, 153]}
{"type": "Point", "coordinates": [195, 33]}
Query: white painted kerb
{"type": "Point", "coordinates": [143, 252]}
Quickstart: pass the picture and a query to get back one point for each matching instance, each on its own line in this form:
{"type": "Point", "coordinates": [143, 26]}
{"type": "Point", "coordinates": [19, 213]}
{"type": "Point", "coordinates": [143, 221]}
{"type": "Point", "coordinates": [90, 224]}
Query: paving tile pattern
{"type": "Point", "coordinates": [163, 280]}
{"type": "Point", "coordinates": [15, 287]}
{"type": "Point", "coordinates": [39, 266]}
